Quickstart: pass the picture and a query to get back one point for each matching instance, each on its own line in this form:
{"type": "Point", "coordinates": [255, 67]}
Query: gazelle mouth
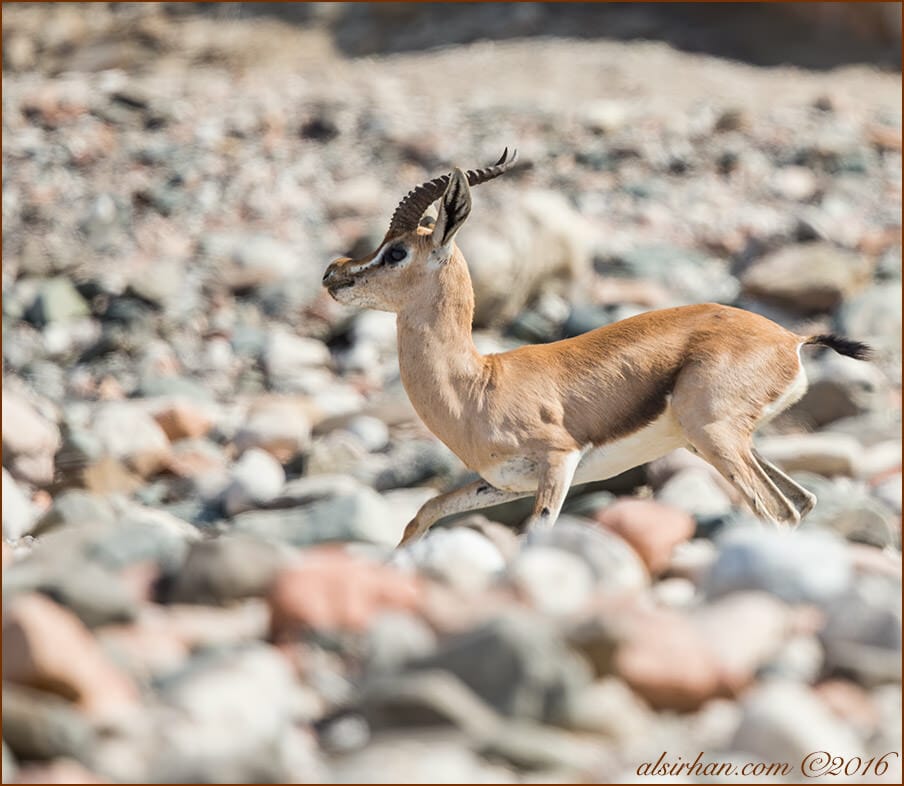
{"type": "Point", "coordinates": [334, 288]}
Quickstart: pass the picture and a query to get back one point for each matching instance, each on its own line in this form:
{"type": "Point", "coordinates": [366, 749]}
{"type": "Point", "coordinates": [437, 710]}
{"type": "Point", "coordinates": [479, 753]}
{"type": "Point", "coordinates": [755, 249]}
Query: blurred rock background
{"type": "Point", "coordinates": [206, 462]}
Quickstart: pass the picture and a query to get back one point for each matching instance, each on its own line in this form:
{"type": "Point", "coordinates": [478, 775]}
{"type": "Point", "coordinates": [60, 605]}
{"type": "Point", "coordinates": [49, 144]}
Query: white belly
{"type": "Point", "coordinates": [661, 436]}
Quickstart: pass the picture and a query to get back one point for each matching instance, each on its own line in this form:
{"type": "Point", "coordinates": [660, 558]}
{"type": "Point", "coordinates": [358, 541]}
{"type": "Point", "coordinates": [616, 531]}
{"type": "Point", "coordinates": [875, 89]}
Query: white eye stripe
{"type": "Point", "coordinates": [380, 258]}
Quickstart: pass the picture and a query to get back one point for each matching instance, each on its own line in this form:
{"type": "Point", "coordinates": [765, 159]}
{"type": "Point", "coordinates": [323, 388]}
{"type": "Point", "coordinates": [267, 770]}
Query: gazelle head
{"type": "Point", "coordinates": [415, 249]}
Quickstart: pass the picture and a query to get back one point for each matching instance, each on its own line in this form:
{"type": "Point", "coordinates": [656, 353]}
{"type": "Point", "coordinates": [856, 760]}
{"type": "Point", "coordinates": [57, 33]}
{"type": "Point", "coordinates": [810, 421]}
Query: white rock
{"type": "Point", "coordinates": [126, 431]}
{"type": "Point", "coordinates": [279, 426]}
{"type": "Point", "coordinates": [825, 453]}
{"type": "Point", "coordinates": [675, 592]}
{"type": "Point", "coordinates": [786, 721]}
{"type": "Point", "coordinates": [29, 439]}
{"type": "Point", "coordinates": [19, 515]}
{"type": "Point", "coordinates": [553, 581]}
{"type": "Point", "coordinates": [257, 478]}
{"type": "Point", "coordinates": [288, 358]}
{"type": "Point", "coordinates": [460, 556]}
{"type": "Point", "coordinates": [695, 491]}
{"type": "Point", "coordinates": [373, 432]}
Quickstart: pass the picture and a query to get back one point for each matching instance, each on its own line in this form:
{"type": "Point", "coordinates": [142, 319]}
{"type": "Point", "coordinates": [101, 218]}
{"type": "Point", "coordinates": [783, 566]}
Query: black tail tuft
{"type": "Point", "coordinates": [843, 346]}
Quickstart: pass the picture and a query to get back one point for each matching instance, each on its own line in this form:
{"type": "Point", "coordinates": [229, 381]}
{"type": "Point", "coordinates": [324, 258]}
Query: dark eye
{"type": "Point", "coordinates": [396, 254]}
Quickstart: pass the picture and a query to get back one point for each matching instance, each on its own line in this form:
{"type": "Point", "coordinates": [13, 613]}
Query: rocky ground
{"type": "Point", "coordinates": [206, 462]}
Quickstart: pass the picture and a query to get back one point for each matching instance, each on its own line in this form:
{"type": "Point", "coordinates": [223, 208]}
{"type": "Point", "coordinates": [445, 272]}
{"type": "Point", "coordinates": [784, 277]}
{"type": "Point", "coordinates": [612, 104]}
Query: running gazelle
{"type": "Point", "coordinates": [537, 419]}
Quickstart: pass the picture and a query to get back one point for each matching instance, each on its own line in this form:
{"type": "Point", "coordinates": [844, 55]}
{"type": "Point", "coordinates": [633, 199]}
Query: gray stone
{"type": "Point", "coordinates": [250, 260]}
{"type": "Point", "coordinates": [615, 566]}
{"type": "Point", "coordinates": [688, 275]}
{"type": "Point", "coordinates": [372, 432]}
{"type": "Point", "coordinates": [808, 277]}
{"type": "Point", "coordinates": [517, 663]}
{"type": "Point", "coordinates": [874, 316]}
{"type": "Point", "coordinates": [10, 766]}
{"type": "Point", "coordinates": [801, 659]}
{"type": "Point", "coordinates": [129, 433]}
{"type": "Point", "coordinates": [393, 639]}
{"type": "Point", "coordinates": [226, 569]}
{"type": "Point", "coordinates": [57, 301]}
{"type": "Point", "coordinates": [211, 737]}
{"type": "Point", "coordinates": [279, 426]}
{"type": "Point", "coordinates": [93, 593]}
{"type": "Point", "coordinates": [358, 516]}
{"type": "Point", "coordinates": [37, 725]}
{"type": "Point", "coordinates": [553, 581]}
{"type": "Point", "coordinates": [847, 507]}
{"type": "Point", "coordinates": [695, 491]}
{"type": "Point", "coordinates": [256, 479]}
{"type": "Point", "coordinates": [289, 359]}
{"type": "Point", "coordinates": [786, 721]}
{"type": "Point", "coordinates": [823, 453]}
{"type": "Point", "coordinates": [400, 758]}
{"type": "Point", "coordinates": [798, 567]}
{"type": "Point", "coordinates": [430, 697]}
{"type": "Point", "coordinates": [75, 508]}
{"type": "Point", "coordinates": [19, 514]}
{"type": "Point", "coordinates": [461, 557]}
{"type": "Point", "coordinates": [862, 634]}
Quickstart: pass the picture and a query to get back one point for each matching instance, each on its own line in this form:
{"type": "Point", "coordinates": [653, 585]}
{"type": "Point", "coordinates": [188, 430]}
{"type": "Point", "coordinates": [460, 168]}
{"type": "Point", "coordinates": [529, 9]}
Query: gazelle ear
{"type": "Point", "coordinates": [454, 209]}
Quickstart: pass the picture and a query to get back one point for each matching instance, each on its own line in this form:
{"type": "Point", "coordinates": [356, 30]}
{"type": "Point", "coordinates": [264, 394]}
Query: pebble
{"type": "Point", "coordinates": [127, 432]}
{"type": "Point", "coordinates": [552, 581]}
{"type": "Point", "coordinates": [616, 567]}
{"type": "Point", "coordinates": [823, 453]}
{"type": "Point", "coordinates": [745, 630]}
{"type": "Point", "coordinates": [696, 492]}
{"type": "Point", "coordinates": [786, 721]}
{"type": "Point", "coordinates": [359, 515]}
{"type": "Point", "coordinates": [29, 439]}
{"type": "Point", "coordinates": [278, 425]}
{"type": "Point", "coordinates": [57, 300]}
{"type": "Point", "coordinates": [333, 591]}
{"type": "Point", "coordinates": [667, 662]}
{"type": "Point", "coordinates": [38, 639]}
{"type": "Point", "coordinates": [226, 569]}
{"type": "Point", "coordinates": [798, 567]}
{"type": "Point", "coordinates": [461, 557]}
{"type": "Point", "coordinates": [652, 529]}
{"type": "Point", "coordinates": [517, 663]}
{"type": "Point", "coordinates": [256, 479]}
{"type": "Point", "coordinates": [19, 514]}
{"type": "Point", "coordinates": [808, 277]}
{"type": "Point", "coordinates": [183, 420]}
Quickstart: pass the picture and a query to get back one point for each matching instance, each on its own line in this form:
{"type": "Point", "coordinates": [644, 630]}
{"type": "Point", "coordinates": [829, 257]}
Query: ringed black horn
{"type": "Point", "coordinates": [409, 211]}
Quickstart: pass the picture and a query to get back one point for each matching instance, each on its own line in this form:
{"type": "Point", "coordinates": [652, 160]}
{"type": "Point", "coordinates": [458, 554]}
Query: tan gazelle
{"type": "Point", "coordinates": [537, 419]}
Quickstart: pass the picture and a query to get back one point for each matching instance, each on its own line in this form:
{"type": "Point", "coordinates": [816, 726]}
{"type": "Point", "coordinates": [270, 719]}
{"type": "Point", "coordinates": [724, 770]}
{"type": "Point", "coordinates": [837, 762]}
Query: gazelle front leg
{"type": "Point", "coordinates": [473, 496]}
{"type": "Point", "coordinates": [556, 476]}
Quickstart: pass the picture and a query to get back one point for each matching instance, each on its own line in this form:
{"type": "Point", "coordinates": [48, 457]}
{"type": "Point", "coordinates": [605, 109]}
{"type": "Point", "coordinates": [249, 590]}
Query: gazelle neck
{"type": "Point", "coordinates": [439, 364]}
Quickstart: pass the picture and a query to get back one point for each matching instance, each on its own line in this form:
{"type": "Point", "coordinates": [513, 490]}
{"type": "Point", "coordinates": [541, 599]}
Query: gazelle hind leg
{"type": "Point", "coordinates": [728, 450]}
{"type": "Point", "coordinates": [802, 499]}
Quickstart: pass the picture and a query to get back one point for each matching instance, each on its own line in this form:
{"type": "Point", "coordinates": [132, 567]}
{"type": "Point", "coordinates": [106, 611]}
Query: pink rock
{"type": "Point", "coordinates": [29, 440]}
{"type": "Point", "coordinates": [46, 646]}
{"type": "Point", "coordinates": [651, 528]}
{"type": "Point", "coordinates": [665, 660]}
{"type": "Point", "coordinates": [335, 591]}
{"type": "Point", "coordinates": [57, 771]}
{"type": "Point", "coordinates": [183, 420]}
{"type": "Point", "coordinates": [851, 703]}
{"type": "Point", "coordinates": [744, 630]}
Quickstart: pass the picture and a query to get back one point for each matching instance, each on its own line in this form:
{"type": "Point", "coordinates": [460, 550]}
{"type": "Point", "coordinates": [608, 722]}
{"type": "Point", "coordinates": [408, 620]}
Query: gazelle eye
{"type": "Point", "coordinates": [396, 254]}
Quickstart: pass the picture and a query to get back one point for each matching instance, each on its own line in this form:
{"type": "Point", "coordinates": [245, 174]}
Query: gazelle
{"type": "Point", "coordinates": [537, 419]}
